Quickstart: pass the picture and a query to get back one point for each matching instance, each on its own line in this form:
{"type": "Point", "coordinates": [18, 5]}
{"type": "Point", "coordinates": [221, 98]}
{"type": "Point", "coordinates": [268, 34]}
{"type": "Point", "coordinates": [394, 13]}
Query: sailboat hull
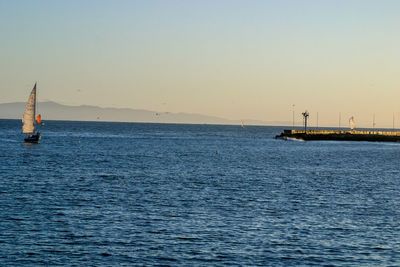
{"type": "Point", "coordinates": [34, 138]}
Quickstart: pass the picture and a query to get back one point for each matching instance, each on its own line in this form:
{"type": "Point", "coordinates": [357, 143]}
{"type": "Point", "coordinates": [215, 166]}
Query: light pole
{"type": "Point", "coordinates": [293, 114]}
{"type": "Point", "coordinates": [373, 122]}
{"type": "Point", "coordinates": [393, 121]}
{"type": "Point", "coordinates": [305, 115]}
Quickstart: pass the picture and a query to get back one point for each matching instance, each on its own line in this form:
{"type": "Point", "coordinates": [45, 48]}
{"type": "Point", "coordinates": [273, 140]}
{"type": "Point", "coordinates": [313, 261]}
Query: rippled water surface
{"type": "Point", "coordinates": [160, 194]}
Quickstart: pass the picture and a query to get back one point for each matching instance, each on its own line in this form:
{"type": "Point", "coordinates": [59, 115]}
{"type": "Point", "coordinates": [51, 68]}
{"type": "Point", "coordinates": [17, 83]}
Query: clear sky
{"type": "Point", "coordinates": [234, 59]}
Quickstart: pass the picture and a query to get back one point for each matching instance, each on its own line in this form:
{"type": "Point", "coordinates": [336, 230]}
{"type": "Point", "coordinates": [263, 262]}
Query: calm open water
{"type": "Point", "coordinates": [102, 193]}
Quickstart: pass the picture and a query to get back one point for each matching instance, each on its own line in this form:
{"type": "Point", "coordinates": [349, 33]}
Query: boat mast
{"type": "Point", "coordinates": [34, 111]}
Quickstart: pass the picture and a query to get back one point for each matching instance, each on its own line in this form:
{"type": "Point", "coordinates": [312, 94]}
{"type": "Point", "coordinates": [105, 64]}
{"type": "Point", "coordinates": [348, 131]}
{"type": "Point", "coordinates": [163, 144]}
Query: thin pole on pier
{"type": "Point", "coordinates": [393, 121]}
{"type": "Point", "coordinates": [398, 116]}
{"type": "Point", "coordinates": [340, 118]}
{"type": "Point", "coordinates": [305, 116]}
{"type": "Point", "coordinates": [317, 121]}
{"type": "Point", "coordinates": [293, 114]}
{"type": "Point", "coordinates": [373, 122]}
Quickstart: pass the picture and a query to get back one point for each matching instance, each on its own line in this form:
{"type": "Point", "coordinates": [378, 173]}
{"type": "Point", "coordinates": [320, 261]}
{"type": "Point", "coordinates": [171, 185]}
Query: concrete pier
{"type": "Point", "coordinates": [371, 136]}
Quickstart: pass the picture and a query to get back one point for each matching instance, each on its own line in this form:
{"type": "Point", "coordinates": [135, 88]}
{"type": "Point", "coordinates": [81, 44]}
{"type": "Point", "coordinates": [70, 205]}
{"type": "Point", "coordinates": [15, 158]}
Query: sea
{"type": "Point", "coordinates": [142, 194]}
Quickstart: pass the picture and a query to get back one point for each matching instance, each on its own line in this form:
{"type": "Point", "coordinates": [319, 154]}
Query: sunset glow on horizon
{"type": "Point", "coordinates": [231, 59]}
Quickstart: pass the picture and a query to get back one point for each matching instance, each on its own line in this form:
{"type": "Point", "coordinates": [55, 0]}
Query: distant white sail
{"type": "Point", "coordinates": [28, 120]}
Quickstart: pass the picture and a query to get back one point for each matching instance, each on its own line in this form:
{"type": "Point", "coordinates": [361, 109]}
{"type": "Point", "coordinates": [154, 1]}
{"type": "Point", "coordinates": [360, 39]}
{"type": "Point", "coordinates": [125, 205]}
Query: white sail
{"type": "Point", "coordinates": [28, 120]}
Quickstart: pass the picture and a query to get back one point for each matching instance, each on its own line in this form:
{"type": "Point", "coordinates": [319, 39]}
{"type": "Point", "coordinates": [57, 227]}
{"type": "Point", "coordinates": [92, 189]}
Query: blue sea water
{"type": "Point", "coordinates": [102, 193]}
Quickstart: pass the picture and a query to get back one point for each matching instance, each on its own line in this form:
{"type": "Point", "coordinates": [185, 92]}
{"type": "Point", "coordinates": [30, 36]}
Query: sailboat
{"type": "Point", "coordinates": [28, 120]}
{"type": "Point", "coordinates": [242, 124]}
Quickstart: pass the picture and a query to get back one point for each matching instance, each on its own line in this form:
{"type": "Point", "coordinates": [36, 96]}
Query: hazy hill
{"type": "Point", "coordinates": [55, 111]}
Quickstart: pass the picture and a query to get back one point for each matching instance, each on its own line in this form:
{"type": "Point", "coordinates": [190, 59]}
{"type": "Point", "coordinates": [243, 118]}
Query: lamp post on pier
{"type": "Point", "coordinates": [293, 114]}
{"type": "Point", "coordinates": [305, 116]}
{"type": "Point", "coordinates": [373, 122]}
{"type": "Point", "coordinates": [393, 122]}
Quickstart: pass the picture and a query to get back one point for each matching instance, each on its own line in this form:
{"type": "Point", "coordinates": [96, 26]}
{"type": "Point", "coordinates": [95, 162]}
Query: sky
{"type": "Point", "coordinates": [234, 59]}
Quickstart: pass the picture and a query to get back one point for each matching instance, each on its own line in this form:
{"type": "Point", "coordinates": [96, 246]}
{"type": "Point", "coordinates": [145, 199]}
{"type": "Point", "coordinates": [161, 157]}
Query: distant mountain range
{"type": "Point", "coordinates": [55, 111]}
